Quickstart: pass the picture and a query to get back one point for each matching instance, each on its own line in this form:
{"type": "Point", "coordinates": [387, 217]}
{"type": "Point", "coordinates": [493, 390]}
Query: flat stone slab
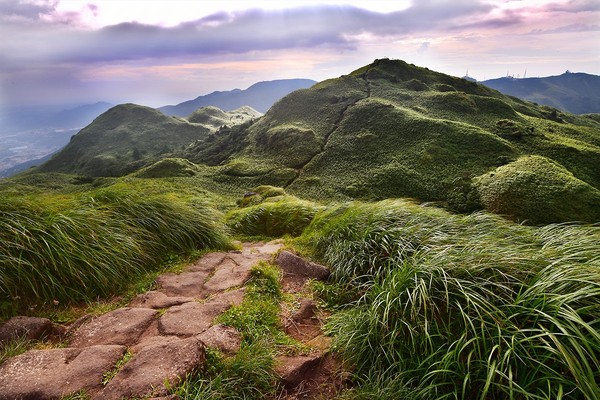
{"type": "Point", "coordinates": [186, 284]}
{"type": "Point", "coordinates": [156, 300]}
{"type": "Point", "coordinates": [30, 328]}
{"type": "Point", "coordinates": [191, 319]}
{"type": "Point", "coordinates": [264, 249]}
{"type": "Point", "coordinates": [232, 272]}
{"type": "Point", "coordinates": [207, 263]}
{"type": "Point", "coordinates": [51, 374]}
{"type": "Point", "coordinates": [146, 373]}
{"type": "Point", "coordinates": [290, 263]}
{"type": "Point", "coordinates": [224, 338]}
{"type": "Point", "coordinates": [123, 326]}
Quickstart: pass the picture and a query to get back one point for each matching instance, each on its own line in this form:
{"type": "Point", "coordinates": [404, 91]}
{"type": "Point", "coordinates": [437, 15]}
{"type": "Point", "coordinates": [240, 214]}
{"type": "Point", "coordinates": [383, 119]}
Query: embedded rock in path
{"type": "Point", "coordinates": [30, 328]}
{"type": "Point", "coordinates": [295, 370]}
{"type": "Point", "coordinates": [224, 338]}
{"type": "Point", "coordinates": [233, 271]}
{"type": "Point", "coordinates": [122, 326]}
{"type": "Point", "coordinates": [51, 374]}
{"type": "Point", "coordinates": [153, 366]}
{"type": "Point", "coordinates": [290, 263]}
{"type": "Point", "coordinates": [187, 284]}
{"type": "Point", "coordinates": [154, 299]}
{"type": "Point", "coordinates": [194, 318]}
{"type": "Point", "coordinates": [306, 310]}
{"type": "Point", "coordinates": [262, 250]}
{"type": "Point", "coordinates": [207, 262]}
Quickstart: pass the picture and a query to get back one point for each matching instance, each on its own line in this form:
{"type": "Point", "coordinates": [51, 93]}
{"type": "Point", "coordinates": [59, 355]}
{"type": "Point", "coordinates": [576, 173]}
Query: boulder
{"type": "Point", "coordinates": [30, 328]}
{"type": "Point", "coordinates": [290, 263]}
{"type": "Point", "coordinates": [295, 370]}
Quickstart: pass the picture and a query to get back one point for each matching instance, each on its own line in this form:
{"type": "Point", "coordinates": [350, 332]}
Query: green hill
{"type": "Point", "coordinates": [130, 136]}
{"type": "Point", "coordinates": [391, 129]}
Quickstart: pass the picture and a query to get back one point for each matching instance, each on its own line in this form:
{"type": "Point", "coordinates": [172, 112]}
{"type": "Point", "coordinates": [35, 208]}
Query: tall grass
{"type": "Point", "coordinates": [73, 247]}
{"type": "Point", "coordinates": [464, 307]}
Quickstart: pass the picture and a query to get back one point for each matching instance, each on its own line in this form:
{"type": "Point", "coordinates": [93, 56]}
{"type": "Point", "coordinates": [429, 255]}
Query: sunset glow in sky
{"type": "Point", "coordinates": [164, 52]}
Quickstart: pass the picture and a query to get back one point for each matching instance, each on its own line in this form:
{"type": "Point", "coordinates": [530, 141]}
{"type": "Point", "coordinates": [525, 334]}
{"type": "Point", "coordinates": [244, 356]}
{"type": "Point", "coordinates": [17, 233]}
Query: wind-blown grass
{"type": "Point", "coordinates": [464, 307]}
{"type": "Point", "coordinates": [75, 247]}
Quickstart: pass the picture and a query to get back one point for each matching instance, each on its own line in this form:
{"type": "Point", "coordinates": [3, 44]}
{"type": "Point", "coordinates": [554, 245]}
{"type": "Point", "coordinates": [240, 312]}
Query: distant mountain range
{"type": "Point", "coordinates": [259, 96]}
{"type": "Point", "coordinates": [28, 133]}
{"type": "Point", "coordinates": [577, 93]}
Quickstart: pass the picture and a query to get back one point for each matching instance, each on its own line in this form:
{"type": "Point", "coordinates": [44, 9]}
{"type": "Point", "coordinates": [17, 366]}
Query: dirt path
{"type": "Point", "coordinates": [162, 335]}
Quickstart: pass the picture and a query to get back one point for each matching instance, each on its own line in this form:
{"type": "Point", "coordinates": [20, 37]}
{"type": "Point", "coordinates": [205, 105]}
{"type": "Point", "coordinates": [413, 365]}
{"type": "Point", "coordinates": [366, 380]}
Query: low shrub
{"type": "Point", "coordinates": [289, 216]}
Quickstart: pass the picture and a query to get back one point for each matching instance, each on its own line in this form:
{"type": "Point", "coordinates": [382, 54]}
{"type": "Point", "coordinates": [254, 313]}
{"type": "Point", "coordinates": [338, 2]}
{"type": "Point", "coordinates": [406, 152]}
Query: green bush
{"type": "Point", "coordinates": [286, 216]}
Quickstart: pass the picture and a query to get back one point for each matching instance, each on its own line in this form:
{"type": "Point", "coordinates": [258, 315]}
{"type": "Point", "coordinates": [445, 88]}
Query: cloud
{"type": "Point", "coordinates": [26, 10]}
{"type": "Point", "coordinates": [423, 48]}
{"type": "Point", "coordinates": [567, 29]}
{"type": "Point", "coordinates": [242, 32]}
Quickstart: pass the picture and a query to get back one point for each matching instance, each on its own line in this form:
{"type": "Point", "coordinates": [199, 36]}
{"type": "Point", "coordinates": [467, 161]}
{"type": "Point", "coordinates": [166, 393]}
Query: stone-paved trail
{"type": "Point", "coordinates": [162, 335]}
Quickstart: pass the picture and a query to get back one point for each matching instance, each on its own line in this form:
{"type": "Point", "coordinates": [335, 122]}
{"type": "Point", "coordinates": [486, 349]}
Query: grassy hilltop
{"type": "Point", "coordinates": [424, 302]}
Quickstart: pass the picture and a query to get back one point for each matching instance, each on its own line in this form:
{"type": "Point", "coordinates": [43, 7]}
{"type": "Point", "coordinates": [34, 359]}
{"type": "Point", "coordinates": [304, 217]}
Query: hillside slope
{"type": "Point", "coordinates": [130, 136]}
{"type": "Point", "coordinates": [392, 129]}
{"type": "Point", "coordinates": [577, 93]}
{"type": "Point", "coordinates": [259, 96]}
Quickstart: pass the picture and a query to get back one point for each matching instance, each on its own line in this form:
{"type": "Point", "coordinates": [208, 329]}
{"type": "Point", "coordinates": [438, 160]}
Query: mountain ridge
{"type": "Point", "coordinates": [574, 92]}
{"type": "Point", "coordinates": [260, 96]}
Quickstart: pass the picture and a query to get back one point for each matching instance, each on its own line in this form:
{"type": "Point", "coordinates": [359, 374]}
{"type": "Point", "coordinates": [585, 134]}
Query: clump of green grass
{"type": "Point", "coordinates": [109, 375]}
{"type": "Point", "coordinates": [80, 246]}
{"type": "Point", "coordinates": [463, 306]}
{"type": "Point", "coordinates": [247, 375]}
{"type": "Point", "coordinates": [15, 347]}
{"type": "Point", "coordinates": [287, 215]}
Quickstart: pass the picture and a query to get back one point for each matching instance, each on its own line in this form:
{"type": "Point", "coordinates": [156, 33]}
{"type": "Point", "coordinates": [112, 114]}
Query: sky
{"type": "Point", "coordinates": [163, 52]}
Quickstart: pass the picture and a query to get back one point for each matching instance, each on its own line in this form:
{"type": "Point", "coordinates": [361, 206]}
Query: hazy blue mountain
{"type": "Point", "coordinates": [23, 166]}
{"type": "Point", "coordinates": [49, 117]}
{"type": "Point", "coordinates": [577, 93]}
{"type": "Point", "coordinates": [260, 96]}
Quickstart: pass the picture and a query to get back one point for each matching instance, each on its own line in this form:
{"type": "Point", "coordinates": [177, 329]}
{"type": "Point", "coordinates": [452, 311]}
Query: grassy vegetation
{"type": "Point", "coordinates": [538, 190]}
{"type": "Point", "coordinates": [277, 216]}
{"type": "Point", "coordinates": [71, 247]}
{"type": "Point", "coordinates": [462, 306]}
{"type": "Point", "coordinates": [248, 374]}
